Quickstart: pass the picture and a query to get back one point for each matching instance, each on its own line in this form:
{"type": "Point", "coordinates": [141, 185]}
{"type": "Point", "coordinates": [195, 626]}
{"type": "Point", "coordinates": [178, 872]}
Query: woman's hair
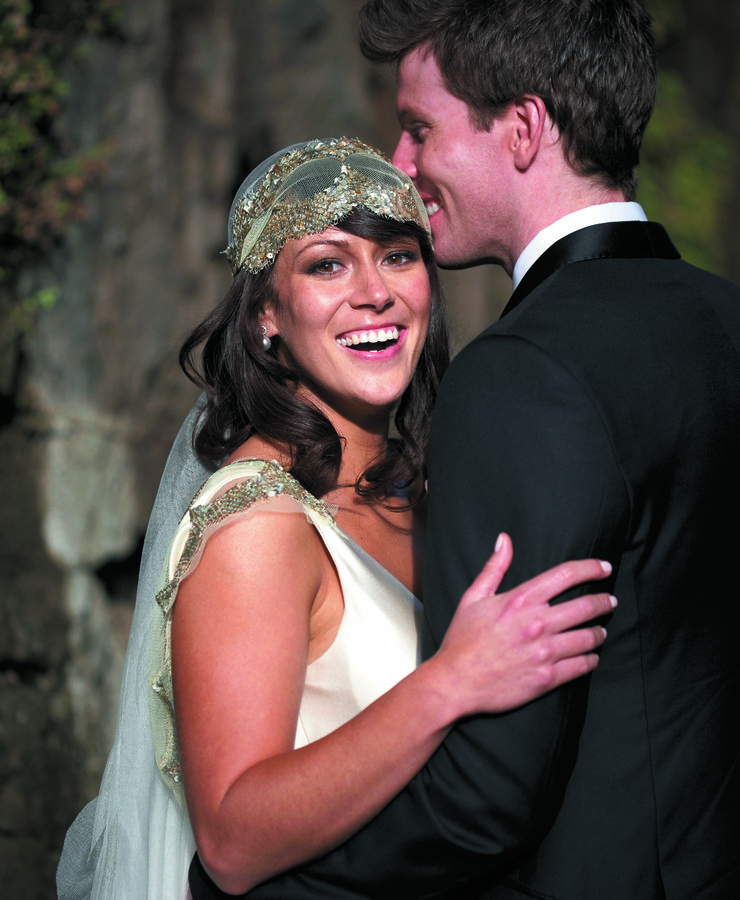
{"type": "Point", "coordinates": [591, 61]}
{"type": "Point", "coordinates": [250, 391]}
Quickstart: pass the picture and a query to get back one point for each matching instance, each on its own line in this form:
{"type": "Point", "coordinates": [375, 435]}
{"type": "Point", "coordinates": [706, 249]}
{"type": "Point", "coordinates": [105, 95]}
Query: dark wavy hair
{"type": "Point", "coordinates": [592, 62]}
{"type": "Point", "coordinates": [250, 391]}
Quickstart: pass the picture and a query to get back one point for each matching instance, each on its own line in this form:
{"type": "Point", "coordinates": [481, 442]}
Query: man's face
{"type": "Point", "coordinates": [459, 169]}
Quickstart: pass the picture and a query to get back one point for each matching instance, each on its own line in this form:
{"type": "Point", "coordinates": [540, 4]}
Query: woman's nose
{"type": "Point", "coordinates": [372, 288]}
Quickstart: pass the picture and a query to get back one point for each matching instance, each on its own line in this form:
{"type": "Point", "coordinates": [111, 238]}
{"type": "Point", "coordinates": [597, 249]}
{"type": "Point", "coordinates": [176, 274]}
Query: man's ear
{"type": "Point", "coordinates": [530, 124]}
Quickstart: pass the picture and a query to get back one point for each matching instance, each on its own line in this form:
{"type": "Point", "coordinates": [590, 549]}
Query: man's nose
{"type": "Point", "coordinates": [404, 156]}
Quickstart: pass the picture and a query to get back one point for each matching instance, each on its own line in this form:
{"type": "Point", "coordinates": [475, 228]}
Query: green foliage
{"type": "Point", "coordinates": [689, 162]}
{"type": "Point", "coordinates": [24, 311]}
{"type": "Point", "coordinates": [685, 174]}
{"type": "Point", "coordinates": [41, 180]}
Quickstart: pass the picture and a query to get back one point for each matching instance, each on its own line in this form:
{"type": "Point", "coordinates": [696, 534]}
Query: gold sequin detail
{"type": "Point", "coordinates": [263, 480]}
{"type": "Point", "coordinates": [310, 188]}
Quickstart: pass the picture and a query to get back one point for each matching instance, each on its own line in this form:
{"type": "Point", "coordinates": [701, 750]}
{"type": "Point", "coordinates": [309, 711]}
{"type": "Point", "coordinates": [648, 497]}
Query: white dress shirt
{"type": "Point", "coordinates": [599, 214]}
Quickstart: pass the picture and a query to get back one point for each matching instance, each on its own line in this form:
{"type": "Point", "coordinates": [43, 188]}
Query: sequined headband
{"type": "Point", "coordinates": [310, 187]}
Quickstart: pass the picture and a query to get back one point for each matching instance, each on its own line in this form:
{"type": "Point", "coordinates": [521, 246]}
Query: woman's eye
{"type": "Point", "coordinates": [398, 257]}
{"type": "Point", "coordinates": [324, 266]}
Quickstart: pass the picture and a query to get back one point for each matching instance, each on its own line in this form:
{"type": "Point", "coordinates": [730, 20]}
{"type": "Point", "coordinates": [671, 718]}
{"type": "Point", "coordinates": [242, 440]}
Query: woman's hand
{"type": "Point", "coordinates": [503, 650]}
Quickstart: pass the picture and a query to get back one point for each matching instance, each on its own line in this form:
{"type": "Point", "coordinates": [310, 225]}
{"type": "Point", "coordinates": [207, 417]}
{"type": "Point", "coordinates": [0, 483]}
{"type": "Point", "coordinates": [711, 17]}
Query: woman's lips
{"type": "Point", "coordinates": [369, 336]}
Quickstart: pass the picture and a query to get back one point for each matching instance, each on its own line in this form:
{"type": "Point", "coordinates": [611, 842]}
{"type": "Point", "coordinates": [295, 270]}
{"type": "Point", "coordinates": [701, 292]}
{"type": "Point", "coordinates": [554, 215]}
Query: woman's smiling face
{"type": "Point", "coordinates": [352, 316]}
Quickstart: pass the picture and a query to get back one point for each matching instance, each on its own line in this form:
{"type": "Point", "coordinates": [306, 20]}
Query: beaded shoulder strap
{"type": "Point", "coordinates": [255, 480]}
{"type": "Point", "coordinates": [251, 481]}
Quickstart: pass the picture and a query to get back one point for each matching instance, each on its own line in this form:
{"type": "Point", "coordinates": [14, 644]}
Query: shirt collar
{"type": "Point", "coordinates": [599, 214]}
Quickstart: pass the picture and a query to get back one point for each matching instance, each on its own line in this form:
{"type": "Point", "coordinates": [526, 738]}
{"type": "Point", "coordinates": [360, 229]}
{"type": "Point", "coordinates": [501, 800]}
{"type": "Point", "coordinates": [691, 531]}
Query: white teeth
{"type": "Point", "coordinates": [432, 207]}
{"type": "Point", "coordinates": [369, 337]}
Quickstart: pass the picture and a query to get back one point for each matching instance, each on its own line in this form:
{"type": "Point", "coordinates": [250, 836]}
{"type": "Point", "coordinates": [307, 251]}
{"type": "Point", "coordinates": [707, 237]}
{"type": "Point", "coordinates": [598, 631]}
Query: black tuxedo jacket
{"type": "Point", "coordinates": [599, 417]}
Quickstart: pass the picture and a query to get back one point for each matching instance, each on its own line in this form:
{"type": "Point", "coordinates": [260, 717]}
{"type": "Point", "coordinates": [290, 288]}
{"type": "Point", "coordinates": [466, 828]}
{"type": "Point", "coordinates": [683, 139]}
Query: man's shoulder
{"type": "Point", "coordinates": [603, 321]}
{"type": "Point", "coordinates": [601, 298]}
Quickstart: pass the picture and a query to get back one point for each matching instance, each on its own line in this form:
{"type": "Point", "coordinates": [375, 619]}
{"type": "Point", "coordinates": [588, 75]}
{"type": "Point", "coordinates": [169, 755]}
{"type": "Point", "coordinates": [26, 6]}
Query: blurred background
{"type": "Point", "coordinates": [125, 128]}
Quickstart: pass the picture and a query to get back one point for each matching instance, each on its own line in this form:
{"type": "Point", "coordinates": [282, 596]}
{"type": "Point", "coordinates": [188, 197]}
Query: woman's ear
{"type": "Point", "coordinates": [268, 320]}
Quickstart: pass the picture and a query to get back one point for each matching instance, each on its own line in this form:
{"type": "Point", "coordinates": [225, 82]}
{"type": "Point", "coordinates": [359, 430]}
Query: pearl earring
{"type": "Point", "coordinates": [266, 342]}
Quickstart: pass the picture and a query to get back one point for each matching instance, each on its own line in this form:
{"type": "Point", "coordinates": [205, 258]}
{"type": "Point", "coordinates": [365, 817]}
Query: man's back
{"type": "Point", "coordinates": [639, 360]}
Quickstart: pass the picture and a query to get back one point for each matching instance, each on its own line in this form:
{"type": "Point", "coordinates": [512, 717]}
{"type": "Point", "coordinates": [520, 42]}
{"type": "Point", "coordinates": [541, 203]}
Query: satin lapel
{"type": "Point", "coordinates": [615, 240]}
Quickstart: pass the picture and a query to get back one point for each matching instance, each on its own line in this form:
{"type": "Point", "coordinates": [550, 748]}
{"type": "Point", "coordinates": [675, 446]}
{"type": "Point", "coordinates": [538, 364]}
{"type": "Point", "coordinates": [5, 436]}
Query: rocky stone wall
{"type": "Point", "coordinates": [190, 98]}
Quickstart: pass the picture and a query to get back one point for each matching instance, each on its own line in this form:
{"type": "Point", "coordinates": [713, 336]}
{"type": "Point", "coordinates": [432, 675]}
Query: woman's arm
{"type": "Point", "coordinates": [241, 643]}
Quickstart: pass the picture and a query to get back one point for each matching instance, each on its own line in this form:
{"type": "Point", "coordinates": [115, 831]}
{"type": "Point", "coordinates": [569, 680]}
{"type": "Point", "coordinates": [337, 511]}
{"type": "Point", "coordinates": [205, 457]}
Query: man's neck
{"type": "Point", "coordinates": [549, 190]}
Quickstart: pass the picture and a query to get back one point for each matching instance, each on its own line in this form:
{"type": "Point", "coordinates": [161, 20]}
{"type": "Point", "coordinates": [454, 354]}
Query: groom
{"type": "Point", "coordinates": [599, 417]}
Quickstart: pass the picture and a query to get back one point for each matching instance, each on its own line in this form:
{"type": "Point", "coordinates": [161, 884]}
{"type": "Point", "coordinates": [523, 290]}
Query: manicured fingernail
{"type": "Point", "coordinates": [606, 566]}
{"type": "Point", "coordinates": [499, 541]}
{"type": "Point", "coordinates": [613, 600]}
{"type": "Point", "coordinates": [604, 630]}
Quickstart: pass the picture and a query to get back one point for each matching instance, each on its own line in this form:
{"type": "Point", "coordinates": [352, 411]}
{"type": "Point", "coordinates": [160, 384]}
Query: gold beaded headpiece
{"type": "Point", "coordinates": [308, 187]}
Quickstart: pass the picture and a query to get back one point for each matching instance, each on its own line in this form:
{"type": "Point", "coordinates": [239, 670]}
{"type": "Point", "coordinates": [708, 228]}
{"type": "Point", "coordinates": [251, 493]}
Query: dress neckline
{"type": "Point", "coordinates": [330, 511]}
